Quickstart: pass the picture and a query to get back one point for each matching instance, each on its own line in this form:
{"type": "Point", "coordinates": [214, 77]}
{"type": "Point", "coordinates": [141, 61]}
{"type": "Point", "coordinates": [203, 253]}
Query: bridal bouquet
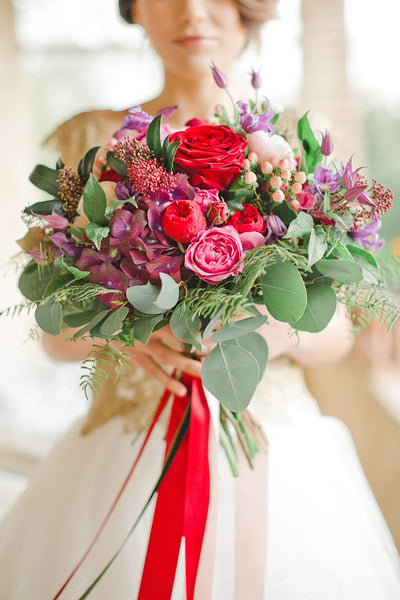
{"type": "Point", "coordinates": [204, 226]}
{"type": "Point", "coordinates": [203, 229]}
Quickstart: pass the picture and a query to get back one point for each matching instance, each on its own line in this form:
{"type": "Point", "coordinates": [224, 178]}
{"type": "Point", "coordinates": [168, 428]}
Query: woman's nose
{"type": "Point", "coordinates": [193, 10]}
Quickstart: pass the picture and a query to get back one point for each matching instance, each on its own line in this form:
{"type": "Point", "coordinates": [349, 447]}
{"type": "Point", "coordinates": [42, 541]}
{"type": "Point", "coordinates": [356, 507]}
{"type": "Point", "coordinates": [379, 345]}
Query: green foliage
{"type": "Point", "coordinates": [312, 149]}
{"type": "Point", "coordinates": [185, 326]}
{"type": "Point", "coordinates": [93, 368]}
{"type": "Point", "coordinates": [94, 202]}
{"type": "Point", "coordinates": [345, 271]}
{"type": "Point", "coordinates": [85, 166]}
{"type": "Point", "coordinates": [35, 278]}
{"type": "Point", "coordinates": [45, 179]}
{"type": "Point", "coordinates": [116, 164]}
{"type": "Point", "coordinates": [284, 291]}
{"type": "Point", "coordinates": [153, 137]}
{"type": "Point", "coordinates": [48, 316]}
{"type": "Point", "coordinates": [321, 306]}
{"type": "Point", "coordinates": [96, 233]}
{"type": "Point", "coordinates": [45, 207]}
{"type": "Point", "coordinates": [238, 328]}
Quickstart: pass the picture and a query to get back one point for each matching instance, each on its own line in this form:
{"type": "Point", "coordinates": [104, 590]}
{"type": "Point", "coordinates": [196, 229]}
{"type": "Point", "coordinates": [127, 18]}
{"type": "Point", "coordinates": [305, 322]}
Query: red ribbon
{"type": "Point", "coordinates": [182, 501]}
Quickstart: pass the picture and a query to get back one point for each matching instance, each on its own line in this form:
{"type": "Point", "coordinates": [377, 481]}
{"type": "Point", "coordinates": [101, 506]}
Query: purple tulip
{"type": "Point", "coordinates": [219, 77]}
{"type": "Point", "coordinates": [327, 144]}
{"type": "Point", "coordinates": [256, 79]}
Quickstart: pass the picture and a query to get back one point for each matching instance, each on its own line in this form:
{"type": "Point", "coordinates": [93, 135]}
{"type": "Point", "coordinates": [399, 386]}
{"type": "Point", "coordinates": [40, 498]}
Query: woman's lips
{"type": "Point", "coordinates": [194, 41]}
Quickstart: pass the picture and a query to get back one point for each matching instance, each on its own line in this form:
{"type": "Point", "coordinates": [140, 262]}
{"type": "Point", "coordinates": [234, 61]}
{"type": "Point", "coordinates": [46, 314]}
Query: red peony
{"type": "Point", "coordinates": [182, 220]}
{"type": "Point", "coordinates": [212, 155]}
{"type": "Point", "coordinates": [248, 219]}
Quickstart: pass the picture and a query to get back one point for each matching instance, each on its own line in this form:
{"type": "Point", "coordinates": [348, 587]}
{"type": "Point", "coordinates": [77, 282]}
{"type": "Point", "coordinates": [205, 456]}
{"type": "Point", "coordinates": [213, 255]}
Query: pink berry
{"type": "Point", "coordinates": [300, 177]}
{"type": "Point", "coordinates": [284, 163]}
{"type": "Point", "coordinates": [278, 196]}
{"type": "Point", "coordinates": [253, 157]}
{"type": "Point", "coordinates": [267, 168]}
{"type": "Point", "coordinates": [296, 188]}
{"type": "Point", "coordinates": [286, 174]}
{"type": "Point", "coordinates": [246, 164]}
{"type": "Point", "coordinates": [276, 182]}
{"type": "Point", "coordinates": [274, 161]}
{"type": "Point", "coordinates": [250, 177]}
{"type": "Point", "coordinates": [295, 204]}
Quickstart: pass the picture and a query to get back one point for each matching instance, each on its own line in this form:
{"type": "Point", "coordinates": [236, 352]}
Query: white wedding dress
{"type": "Point", "coordinates": [325, 536]}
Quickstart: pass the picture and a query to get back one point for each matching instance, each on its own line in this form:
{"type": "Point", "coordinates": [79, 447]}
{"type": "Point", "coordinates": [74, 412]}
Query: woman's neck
{"type": "Point", "coordinates": [195, 96]}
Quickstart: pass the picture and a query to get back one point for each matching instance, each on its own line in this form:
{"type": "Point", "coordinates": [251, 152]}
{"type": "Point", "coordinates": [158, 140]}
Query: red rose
{"type": "Point", "coordinates": [182, 220]}
{"type": "Point", "coordinates": [212, 155]}
{"type": "Point", "coordinates": [248, 219]}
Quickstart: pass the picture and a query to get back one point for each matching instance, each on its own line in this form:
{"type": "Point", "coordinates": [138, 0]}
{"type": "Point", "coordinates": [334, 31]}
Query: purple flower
{"type": "Point", "coordinates": [167, 112]}
{"type": "Point", "coordinates": [325, 180]}
{"type": "Point", "coordinates": [219, 77]}
{"type": "Point", "coordinates": [124, 190]}
{"type": "Point", "coordinates": [136, 119]}
{"type": "Point", "coordinates": [65, 243]}
{"type": "Point", "coordinates": [355, 192]}
{"type": "Point", "coordinates": [368, 235]}
{"type": "Point", "coordinates": [347, 174]}
{"type": "Point", "coordinates": [54, 220]}
{"type": "Point", "coordinates": [275, 228]}
{"type": "Point", "coordinates": [255, 122]}
{"type": "Point", "coordinates": [327, 144]}
{"type": "Point", "coordinates": [110, 277]}
{"type": "Point", "coordinates": [256, 79]}
{"type": "Point", "coordinates": [122, 226]}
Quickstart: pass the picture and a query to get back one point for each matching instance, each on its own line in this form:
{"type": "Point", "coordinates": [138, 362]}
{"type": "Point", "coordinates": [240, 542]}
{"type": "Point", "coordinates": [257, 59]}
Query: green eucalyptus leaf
{"type": "Point", "coordinates": [113, 323]}
{"type": "Point", "coordinates": [185, 326]}
{"type": "Point", "coordinates": [153, 136]}
{"type": "Point", "coordinates": [45, 179]}
{"type": "Point", "coordinates": [116, 164]}
{"type": "Point", "coordinates": [142, 298]}
{"type": "Point", "coordinates": [86, 164]}
{"type": "Point", "coordinates": [48, 317]}
{"type": "Point", "coordinates": [346, 271]}
{"type": "Point", "coordinates": [238, 328]}
{"type": "Point", "coordinates": [257, 346]}
{"type": "Point", "coordinates": [284, 291]}
{"type": "Point", "coordinates": [94, 321]}
{"type": "Point", "coordinates": [58, 283]}
{"type": "Point", "coordinates": [35, 278]}
{"type": "Point", "coordinates": [327, 202]}
{"type": "Point", "coordinates": [311, 147]}
{"type": "Point", "coordinates": [46, 207]}
{"type": "Point", "coordinates": [96, 233]}
{"type": "Point", "coordinates": [94, 201]}
{"type": "Point", "coordinates": [317, 246]}
{"type": "Point", "coordinates": [285, 212]}
{"type": "Point", "coordinates": [145, 326]}
{"type": "Point", "coordinates": [302, 225]}
{"type": "Point", "coordinates": [231, 373]}
{"type": "Point", "coordinates": [169, 293]}
{"type": "Point", "coordinates": [321, 306]}
{"type": "Point", "coordinates": [78, 319]}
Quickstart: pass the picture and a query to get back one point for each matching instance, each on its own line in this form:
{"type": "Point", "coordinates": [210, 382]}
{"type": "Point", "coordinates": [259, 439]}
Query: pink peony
{"type": "Point", "coordinates": [306, 199]}
{"type": "Point", "coordinates": [204, 197]}
{"type": "Point", "coordinates": [215, 254]}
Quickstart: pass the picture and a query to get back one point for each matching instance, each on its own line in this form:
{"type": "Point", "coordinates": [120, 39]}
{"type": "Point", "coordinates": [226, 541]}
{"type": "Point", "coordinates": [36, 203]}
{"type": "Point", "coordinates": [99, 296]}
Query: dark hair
{"type": "Point", "coordinates": [252, 12]}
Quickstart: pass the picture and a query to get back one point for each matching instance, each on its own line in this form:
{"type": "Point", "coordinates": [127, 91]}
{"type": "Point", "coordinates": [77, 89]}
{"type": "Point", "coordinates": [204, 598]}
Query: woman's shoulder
{"type": "Point", "coordinates": [73, 138]}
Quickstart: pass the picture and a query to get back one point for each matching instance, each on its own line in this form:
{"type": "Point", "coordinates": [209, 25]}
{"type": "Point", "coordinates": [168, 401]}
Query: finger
{"type": "Point", "coordinates": [154, 370]}
{"type": "Point", "coordinates": [169, 356]}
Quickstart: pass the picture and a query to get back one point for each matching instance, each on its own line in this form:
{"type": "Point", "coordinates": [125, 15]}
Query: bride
{"type": "Point", "coordinates": [304, 523]}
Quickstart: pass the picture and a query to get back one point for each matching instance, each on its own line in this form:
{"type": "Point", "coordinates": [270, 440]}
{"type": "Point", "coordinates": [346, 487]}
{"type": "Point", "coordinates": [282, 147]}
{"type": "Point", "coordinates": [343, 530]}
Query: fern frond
{"type": "Point", "coordinates": [93, 374]}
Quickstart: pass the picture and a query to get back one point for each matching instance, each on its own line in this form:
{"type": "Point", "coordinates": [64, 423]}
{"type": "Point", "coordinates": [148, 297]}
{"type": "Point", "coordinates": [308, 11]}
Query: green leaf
{"type": "Point", "coordinates": [285, 212]}
{"type": "Point", "coordinates": [311, 147]}
{"type": "Point", "coordinates": [116, 164]}
{"type": "Point", "coordinates": [327, 202]}
{"type": "Point", "coordinates": [79, 319]}
{"type": "Point", "coordinates": [169, 293]}
{"type": "Point", "coordinates": [144, 327]}
{"type": "Point", "coordinates": [321, 306]}
{"type": "Point", "coordinates": [113, 324]}
{"type": "Point", "coordinates": [169, 151]}
{"type": "Point", "coordinates": [185, 326]}
{"type": "Point", "coordinates": [153, 136]}
{"type": "Point", "coordinates": [45, 179]}
{"type": "Point", "coordinates": [45, 208]}
{"type": "Point", "coordinates": [284, 291]}
{"type": "Point", "coordinates": [34, 279]}
{"type": "Point", "coordinates": [114, 204]}
{"type": "Point", "coordinates": [364, 255]}
{"type": "Point", "coordinates": [317, 246]}
{"type": "Point", "coordinates": [86, 164]}
{"type": "Point", "coordinates": [238, 328]}
{"type": "Point", "coordinates": [257, 346]}
{"type": "Point", "coordinates": [302, 225]}
{"type": "Point", "coordinates": [94, 201]}
{"type": "Point", "coordinates": [346, 271]}
{"type": "Point", "coordinates": [142, 298]}
{"type": "Point", "coordinates": [48, 317]}
{"type": "Point", "coordinates": [58, 283]}
{"type": "Point", "coordinates": [231, 373]}
{"type": "Point", "coordinates": [77, 273]}
{"type": "Point", "coordinates": [96, 233]}
{"type": "Point", "coordinates": [93, 322]}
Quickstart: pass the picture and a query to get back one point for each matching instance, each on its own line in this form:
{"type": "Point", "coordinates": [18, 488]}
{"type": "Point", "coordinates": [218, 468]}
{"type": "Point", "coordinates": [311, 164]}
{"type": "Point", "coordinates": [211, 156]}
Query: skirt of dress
{"type": "Point", "coordinates": [325, 535]}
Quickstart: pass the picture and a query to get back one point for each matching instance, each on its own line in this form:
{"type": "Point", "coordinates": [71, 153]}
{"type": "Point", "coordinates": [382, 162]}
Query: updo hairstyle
{"type": "Point", "coordinates": [254, 13]}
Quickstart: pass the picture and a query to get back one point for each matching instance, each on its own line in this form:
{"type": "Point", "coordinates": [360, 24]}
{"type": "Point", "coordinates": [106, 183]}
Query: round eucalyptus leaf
{"type": "Point", "coordinates": [231, 373]}
{"type": "Point", "coordinates": [142, 298]}
{"type": "Point", "coordinates": [169, 293]}
{"type": "Point", "coordinates": [184, 326]}
{"type": "Point", "coordinates": [284, 292]}
{"type": "Point", "coordinates": [238, 328]}
{"type": "Point", "coordinates": [48, 317]}
{"type": "Point", "coordinates": [321, 306]}
{"type": "Point", "coordinates": [345, 271]}
{"type": "Point", "coordinates": [257, 346]}
{"type": "Point", "coordinates": [113, 323]}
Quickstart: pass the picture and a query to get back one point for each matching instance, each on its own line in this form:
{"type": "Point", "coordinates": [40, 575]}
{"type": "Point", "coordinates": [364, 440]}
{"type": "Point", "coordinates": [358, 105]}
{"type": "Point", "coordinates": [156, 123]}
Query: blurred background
{"type": "Point", "coordinates": [57, 58]}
